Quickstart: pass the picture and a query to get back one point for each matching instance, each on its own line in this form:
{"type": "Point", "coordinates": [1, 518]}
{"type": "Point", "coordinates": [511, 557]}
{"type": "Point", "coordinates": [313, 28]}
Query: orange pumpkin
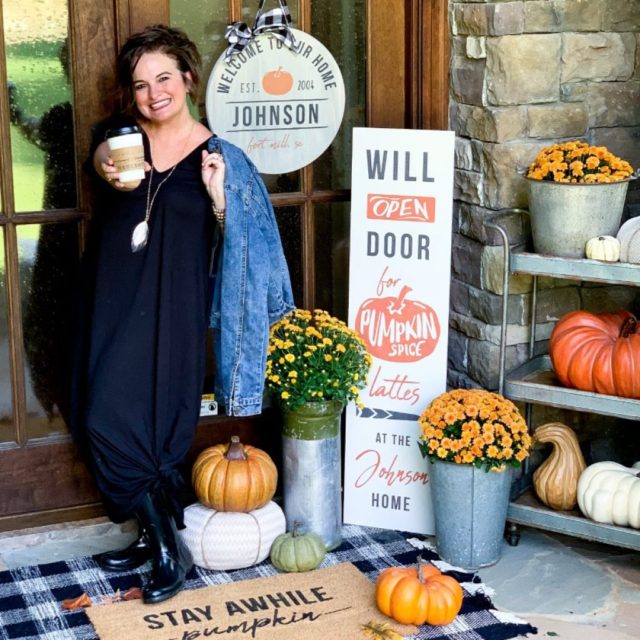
{"type": "Point", "coordinates": [234, 477]}
{"type": "Point", "coordinates": [598, 352]}
{"type": "Point", "coordinates": [278, 82]}
{"type": "Point", "coordinates": [418, 595]}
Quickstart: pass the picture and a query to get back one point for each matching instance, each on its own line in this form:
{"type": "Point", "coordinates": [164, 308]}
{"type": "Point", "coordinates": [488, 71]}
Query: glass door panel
{"type": "Point", "coordinates": [204, 22]}
{"type": "Point", "coordinates": [340, 26]}
{"type": "Point", "coordinates": [48, 262]}
{"type": "Point", "coordinates": [290, 226]}
{"type": "Point", "coordinates": [332, 261]}
{"type": "Point", "coordinates": [249, 8]}
{"type": "Point", "coordinates": [7, 423]}
{"type": "Point", "coordinates": [41, 112]}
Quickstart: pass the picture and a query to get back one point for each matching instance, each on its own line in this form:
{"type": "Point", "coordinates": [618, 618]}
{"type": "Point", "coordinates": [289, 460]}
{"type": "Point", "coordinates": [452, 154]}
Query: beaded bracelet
{"type": "Point", "coordinates": [219, 214]}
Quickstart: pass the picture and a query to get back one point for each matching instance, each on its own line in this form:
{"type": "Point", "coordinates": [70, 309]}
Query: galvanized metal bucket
{"type": "Point", "coordinates": [312, 468]}
{"type": "Point", "coordinates": [470, 512]}
{"type": "Point", "coordinates": [564, 215]}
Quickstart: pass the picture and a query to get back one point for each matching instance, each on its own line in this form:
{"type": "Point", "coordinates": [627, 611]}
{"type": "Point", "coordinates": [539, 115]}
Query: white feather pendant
{"type": "Point", "coordinates": [139, 236]}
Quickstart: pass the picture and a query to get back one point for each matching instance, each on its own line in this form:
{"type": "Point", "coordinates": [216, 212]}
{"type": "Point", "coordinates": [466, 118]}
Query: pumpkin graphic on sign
{"type": "Point", "coordinates": [278, 82]}
{"type": "Point", "coordinates": [398, 329]}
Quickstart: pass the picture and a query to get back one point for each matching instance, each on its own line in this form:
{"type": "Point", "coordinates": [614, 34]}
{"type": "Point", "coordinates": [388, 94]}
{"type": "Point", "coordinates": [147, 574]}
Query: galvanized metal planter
{"type": "Point", "coordinates": [312, 467]}
{"type": "Point", "coordinates": [470, 511]}
{"type": "Point", "coordinates": [564, 215]}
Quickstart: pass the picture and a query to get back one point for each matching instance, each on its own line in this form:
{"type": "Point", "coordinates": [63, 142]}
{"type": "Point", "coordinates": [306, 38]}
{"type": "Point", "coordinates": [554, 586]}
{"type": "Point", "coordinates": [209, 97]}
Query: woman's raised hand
{"type": "Point", "coordinates": [213, 171]}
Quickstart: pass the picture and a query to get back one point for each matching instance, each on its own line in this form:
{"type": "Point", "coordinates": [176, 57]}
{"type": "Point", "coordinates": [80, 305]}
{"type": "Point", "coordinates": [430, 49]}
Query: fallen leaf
{"type": "Point", "coordinates": [77, 603]}
{"type": "Point", "coordinates": [135, 593]}
{"type": "Point", "coordinates": [379, 631]}
{"type": "Point", "coordinates": [116, 597]}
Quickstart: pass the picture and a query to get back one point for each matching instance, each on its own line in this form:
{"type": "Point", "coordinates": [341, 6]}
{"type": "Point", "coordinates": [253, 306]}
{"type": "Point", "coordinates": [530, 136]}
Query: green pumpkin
{"type": "Point", "coordinates": [292, 552]}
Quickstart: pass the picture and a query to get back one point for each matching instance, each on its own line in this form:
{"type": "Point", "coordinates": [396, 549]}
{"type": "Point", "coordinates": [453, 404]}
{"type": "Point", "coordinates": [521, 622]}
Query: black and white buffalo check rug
{"type": "Point", "coordinates": [31, 597]}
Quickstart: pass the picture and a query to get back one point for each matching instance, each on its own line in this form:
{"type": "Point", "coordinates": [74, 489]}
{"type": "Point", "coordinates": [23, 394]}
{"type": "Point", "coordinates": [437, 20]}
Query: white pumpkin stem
{"type": "Point", "coordinates": [235, 450]}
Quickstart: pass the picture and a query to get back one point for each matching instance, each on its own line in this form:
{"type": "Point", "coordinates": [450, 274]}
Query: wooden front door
{"type": "Point", "coordinates": [58, 61]}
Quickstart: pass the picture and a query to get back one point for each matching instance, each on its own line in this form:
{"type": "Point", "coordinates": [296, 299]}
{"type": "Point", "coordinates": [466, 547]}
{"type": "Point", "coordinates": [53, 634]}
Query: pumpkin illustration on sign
{"type": "Point", "coordinates": [398, 329]}
{"type": "Point", "coordinates": [277, 82]}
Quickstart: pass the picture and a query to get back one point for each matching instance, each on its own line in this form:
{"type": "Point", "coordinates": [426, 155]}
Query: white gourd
{"type": "Point", "coordinates": [231, 540]}
{"type": "Point", "coordinates": [609, 492]}
{"type": "Point", "coordinates": [605, 248]}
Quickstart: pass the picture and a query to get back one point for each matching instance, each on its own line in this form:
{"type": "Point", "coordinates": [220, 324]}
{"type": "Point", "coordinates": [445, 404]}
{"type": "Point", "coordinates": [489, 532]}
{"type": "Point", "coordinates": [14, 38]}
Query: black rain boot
{"type": "Point", "coordinates": [171, 558]}
{"type": "Point", "coordinates": [131, 557]}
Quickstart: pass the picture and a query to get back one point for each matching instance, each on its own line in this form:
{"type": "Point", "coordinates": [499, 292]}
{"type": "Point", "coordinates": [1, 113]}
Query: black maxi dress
{"type": "Point", "coordinates": [140, 359]}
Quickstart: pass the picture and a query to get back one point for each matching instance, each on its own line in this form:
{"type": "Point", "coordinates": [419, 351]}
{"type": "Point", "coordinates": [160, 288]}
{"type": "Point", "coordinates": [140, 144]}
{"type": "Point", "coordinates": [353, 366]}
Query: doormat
{"type": "Point", "coordinates": [31, 597]}
{"type": "Point", "coordinates": [336, 602]}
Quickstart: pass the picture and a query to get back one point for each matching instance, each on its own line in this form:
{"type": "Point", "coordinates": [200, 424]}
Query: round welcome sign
{"type": "Point", "coordinates": [282, 107]}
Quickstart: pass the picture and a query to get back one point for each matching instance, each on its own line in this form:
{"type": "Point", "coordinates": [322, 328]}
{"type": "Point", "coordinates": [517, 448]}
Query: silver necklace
{"type": "Point", "coordinates": [140, 233]}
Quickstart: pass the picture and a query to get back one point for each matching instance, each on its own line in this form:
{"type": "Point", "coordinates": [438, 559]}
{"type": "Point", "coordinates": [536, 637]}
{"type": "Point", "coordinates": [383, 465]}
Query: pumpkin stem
{"type": "Point", "coordinates": [297, 526]}
{"type": "Point", "coordinates": [629, 327]}
{"type": "Point", "coordinates": [421, 563]}
{"type": "Point", "coordinates": [235, 450]}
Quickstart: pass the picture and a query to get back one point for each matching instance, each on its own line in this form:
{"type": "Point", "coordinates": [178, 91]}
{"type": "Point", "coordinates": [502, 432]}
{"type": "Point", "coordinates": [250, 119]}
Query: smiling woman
{"type": "Point", "coordinates": [135, 346]}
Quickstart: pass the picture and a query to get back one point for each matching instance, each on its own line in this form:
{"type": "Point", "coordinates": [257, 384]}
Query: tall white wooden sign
{"type": "Point", "coordinates": [400, 263]}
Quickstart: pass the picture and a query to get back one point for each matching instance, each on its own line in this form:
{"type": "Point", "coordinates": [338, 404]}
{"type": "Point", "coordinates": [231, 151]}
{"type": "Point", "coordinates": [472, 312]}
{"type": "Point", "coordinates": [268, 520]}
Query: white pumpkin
{"type": "Point", "coordinates": [226, 540]}
{"type": "Point", "coordinates": [605, 248]}
{"type": "Point", "coordinates": [610, 492]}
{"type": "Point", "coordinates": [629, 238]}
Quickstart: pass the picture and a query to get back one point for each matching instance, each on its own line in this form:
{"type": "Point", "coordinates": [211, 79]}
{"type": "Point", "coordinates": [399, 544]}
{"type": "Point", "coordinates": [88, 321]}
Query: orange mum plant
{"type": "Point", "coordinates": [474, 426]}
{"type": "Point", "coordinates": [578, 162]}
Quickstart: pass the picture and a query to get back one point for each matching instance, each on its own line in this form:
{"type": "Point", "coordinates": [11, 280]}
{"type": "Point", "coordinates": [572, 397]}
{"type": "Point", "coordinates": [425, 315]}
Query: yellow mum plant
{"type": "Point", "coordinates": [578, 162]}
{"type": "Point", "coordinates": [474, 426]}
{"type": "Point", "coordinates": [313, 356]}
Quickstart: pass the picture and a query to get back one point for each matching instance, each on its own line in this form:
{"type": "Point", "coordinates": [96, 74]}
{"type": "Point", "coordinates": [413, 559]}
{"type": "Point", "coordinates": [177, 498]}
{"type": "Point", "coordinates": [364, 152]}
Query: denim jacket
{"type": "Point", "coordinates": [251, 285]}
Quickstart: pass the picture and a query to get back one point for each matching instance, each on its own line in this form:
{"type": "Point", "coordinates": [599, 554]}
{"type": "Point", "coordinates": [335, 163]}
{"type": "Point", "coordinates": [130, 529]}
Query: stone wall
{"type": "Point", "coordinates": [526, 74]}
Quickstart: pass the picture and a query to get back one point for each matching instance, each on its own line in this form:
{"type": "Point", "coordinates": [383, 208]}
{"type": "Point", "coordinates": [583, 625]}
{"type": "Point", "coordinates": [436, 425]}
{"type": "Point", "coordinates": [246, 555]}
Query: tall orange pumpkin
{"type": "Point", "coordinates": [418, 595]}
{"type": "Point", "coordinates": [598, 352]}
{"type": "Point", "coordinates": [234, 477]}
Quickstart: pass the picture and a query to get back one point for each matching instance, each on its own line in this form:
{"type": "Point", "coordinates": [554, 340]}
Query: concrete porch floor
{"type": "Point", "coordinates": [570, 589]}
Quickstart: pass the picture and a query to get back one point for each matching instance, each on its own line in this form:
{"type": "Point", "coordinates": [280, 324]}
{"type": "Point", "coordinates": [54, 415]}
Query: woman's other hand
{"type": "Point", "coordinates": [213, 171]}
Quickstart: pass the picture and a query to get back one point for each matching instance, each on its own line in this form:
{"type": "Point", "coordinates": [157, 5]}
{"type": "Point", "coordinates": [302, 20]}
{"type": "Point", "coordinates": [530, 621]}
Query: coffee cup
{"type": "Point", "coordinates": [127, 152]}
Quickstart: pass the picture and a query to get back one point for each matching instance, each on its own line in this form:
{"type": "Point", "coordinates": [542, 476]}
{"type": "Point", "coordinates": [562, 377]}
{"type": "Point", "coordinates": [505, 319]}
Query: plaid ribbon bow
{"type": "Point", "coordinates": [276, 21]}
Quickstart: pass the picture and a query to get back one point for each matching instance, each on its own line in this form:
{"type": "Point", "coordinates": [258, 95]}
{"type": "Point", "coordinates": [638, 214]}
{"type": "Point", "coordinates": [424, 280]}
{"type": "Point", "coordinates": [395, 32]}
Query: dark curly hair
{"type": "Point", "coordinates": [158, 37]}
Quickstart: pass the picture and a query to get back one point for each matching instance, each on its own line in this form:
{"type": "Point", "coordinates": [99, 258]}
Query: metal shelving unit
{"type": "Point", "coordinates": [534, 383]}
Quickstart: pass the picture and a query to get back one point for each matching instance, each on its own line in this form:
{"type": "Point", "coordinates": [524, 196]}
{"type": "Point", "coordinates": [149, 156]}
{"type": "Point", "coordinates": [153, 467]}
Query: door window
{"type": "Point", "coordinates": [41, 111]}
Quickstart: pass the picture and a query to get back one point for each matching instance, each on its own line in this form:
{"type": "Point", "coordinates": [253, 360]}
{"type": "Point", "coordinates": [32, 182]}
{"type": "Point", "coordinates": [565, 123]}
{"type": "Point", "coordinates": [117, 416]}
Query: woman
{"type": "Point", "coordinates": [140, 369]}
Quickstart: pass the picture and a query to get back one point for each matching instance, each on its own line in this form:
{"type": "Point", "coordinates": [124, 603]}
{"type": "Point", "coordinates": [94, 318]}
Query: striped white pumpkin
{"type": "Point", "coordinates": [629, 237]}
{"type": "Point", "coordinates": [609, 492]}
{"type": "Point", "coordinates": [225, 540]}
